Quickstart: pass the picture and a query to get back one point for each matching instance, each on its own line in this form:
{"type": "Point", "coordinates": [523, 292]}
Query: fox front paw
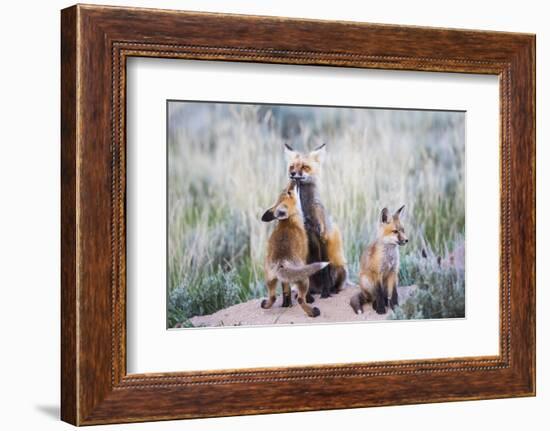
{"type": "Point", "coordinates": [379, 307]}
{"type": "Point", "coordinates": [394, 302]}
{"type": "Point", "coordinates": [286, 301]}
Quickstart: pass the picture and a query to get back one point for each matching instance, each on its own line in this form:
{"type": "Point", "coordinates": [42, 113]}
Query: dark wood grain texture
{"type": "Point", "coordinates": [95, 43]}
{"type": "Point", "coordinates": [68, 217]}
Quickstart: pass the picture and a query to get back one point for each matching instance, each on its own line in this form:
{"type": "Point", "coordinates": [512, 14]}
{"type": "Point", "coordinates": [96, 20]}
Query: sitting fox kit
{"type": "Point", "coordinates": [379, 267]}
{"type": "Point", "coordinates": [324, 237]}
{"type": "Point", "coordinates": [287, 251]}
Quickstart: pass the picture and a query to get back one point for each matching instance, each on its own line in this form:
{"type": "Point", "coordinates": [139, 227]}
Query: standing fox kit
{"type": "Point", "coordinates": [287, 251]}
{"type": "Point", "coordinates": [380, 265]}
{"type": "Point", "coordinates": [324, 239]}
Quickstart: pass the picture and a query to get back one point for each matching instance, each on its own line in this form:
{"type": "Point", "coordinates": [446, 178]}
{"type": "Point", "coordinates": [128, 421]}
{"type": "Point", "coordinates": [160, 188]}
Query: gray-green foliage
{"type": "Point", "coordinates": [226, 166]}
{"type": "Point", "coordinates": [440, 288]}
{"type": "Point", "coordinates": [204, 295]}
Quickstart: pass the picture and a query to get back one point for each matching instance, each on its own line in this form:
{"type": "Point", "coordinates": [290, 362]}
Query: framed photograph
{"type": "Point", "coordinates": [264, 215]}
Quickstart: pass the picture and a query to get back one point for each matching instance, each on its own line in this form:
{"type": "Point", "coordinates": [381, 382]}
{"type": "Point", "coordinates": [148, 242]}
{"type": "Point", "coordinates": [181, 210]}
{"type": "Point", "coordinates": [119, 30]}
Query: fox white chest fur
{"type": "Point", "coordinates": [390, 260]}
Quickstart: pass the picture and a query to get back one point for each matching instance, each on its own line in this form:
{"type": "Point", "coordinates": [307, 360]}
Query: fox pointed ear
{"type": "Point", "coordinates": [319, 153]}
{"type": "Point", "coordinates": [268, 215]}
{"type": "Point", "coordinates": [290, 153]}
{"type": "Point", "coordinates": [385, 216]}
{"type": "Point", "coordinates": [399, 212]}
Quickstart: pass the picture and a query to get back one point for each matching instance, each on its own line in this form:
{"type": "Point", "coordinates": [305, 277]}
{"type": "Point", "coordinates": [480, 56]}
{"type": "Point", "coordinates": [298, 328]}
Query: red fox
{"type": "Point", "coordinates": [324, 237]}
{"type": "Point", "coordinates": [380, 265]}
{"type": "Point", "coordinates": [287, 252]}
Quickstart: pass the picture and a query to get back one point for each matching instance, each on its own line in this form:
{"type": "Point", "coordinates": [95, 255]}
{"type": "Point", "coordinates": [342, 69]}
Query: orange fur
{"type": "Point", "coordinates": [379, 266]}
{"type": "Point", "coordinates": [287, 252]}
{"type": "Point", "coordinates": [325, 238]}
{"type": "Point", "coordinates": [335, 247]}
{"type": "Point", "coordinates": [305, 165]}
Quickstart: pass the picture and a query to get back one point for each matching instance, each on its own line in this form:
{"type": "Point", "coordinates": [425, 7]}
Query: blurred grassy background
{"type": "Point", "coordinates": [226, 166]}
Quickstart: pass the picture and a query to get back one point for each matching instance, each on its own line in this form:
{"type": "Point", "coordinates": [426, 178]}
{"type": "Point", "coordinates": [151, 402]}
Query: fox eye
{"type": "Point", "coordinates": [396, 231]}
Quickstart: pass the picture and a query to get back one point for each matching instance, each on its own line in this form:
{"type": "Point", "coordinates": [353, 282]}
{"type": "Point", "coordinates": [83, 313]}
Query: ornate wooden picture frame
{"type": "Point", "coordinates": [96, 42]}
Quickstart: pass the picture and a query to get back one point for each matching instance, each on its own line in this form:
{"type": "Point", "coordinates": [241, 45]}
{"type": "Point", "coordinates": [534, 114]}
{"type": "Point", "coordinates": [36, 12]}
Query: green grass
{"type": "Point", "coordinates": [226, 166]}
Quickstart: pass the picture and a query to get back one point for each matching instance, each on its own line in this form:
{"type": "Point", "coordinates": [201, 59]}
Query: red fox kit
{"type": "Point", "coordinates": [324, 238]}
{"type": "Point", "coordinates": [380, 265]}
{"type": "Point", "coordinates": [287, 252]}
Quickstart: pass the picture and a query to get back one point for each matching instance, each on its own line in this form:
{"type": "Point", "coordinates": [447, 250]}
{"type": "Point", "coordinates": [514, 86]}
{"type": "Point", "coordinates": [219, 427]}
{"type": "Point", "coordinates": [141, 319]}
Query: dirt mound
{"type": "Point", "coordinates": [333, 309]}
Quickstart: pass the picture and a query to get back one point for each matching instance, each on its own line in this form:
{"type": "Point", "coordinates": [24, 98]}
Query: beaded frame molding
{"type": "Point", "coordinates": [95, 43]}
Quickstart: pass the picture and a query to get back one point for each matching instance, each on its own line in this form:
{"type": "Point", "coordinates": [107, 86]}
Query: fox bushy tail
{"type": "Point", "coordinates": [291, 273]}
